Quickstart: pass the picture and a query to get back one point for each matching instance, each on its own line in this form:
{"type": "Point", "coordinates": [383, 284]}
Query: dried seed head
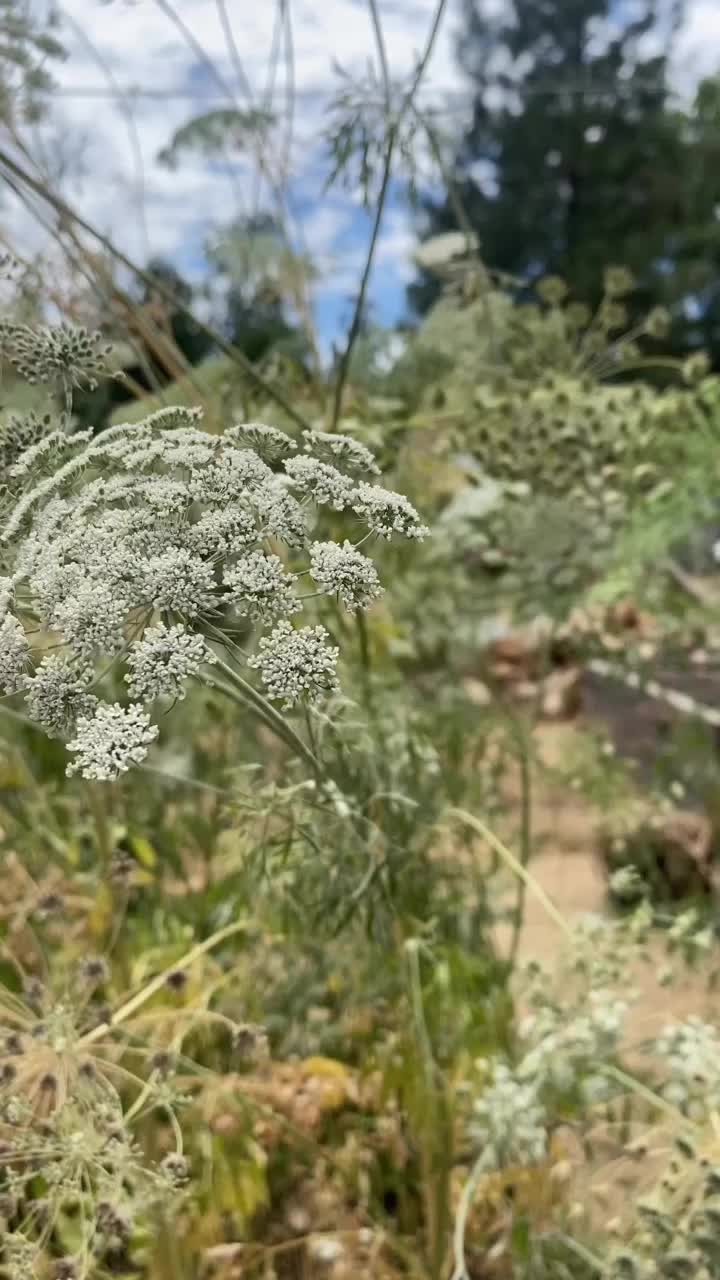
{"type": "Point", "coordinates": [176, 1169]}
{"type": "Point", "coordinates": [50, 904]}
{"type": "Point", "coordinates": [8, 1073]}
{"type": "Point", "coordinates": [163, 1062]}
{"type": "Point", "coordinates": [65, 1269]}
{"type": "Point", "coordinates": [95, 970]}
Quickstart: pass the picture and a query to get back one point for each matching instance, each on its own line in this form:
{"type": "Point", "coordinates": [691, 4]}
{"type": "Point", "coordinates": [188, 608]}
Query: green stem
{"type": "Point", "coordinates": [434, 1128]}
{"type": "Point", "coordinates": [156, 984]}
{"type": "Point", "coordinates": [476, 824]}
{"type": "Point", "coordinates": [480, 1167]}
{"type": "Point", "coordinates": [525, 838]}
{"type": "Point", "coordinates": [356, 322]}
{"type": "Point", "coordinates": [243, 692]}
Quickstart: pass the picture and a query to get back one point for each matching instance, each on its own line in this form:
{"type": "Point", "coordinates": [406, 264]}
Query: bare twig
{"type": "Point", "coordinates": [391, 139]}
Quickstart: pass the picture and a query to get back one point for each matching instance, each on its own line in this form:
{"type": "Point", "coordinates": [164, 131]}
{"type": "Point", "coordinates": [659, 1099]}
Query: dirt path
{"type": "Point", "coordinates": [568, 870]}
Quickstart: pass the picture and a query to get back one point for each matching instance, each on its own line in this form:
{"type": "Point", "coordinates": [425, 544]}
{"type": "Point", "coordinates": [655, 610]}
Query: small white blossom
{"type": "Point", "coordinates": [14, 654]}
{"type": "Point", "coordinates": [111, 741]}
{"type": "Point", "coordinates": [222, 531]}
{"type": "Point", "coordinates": [228, 477]}
{"type": "Point", "coordinates": [321, 482]}
{"type": "Point", "coordinates": [91, 618]}
{"type": "Point", "coordinates": [57, 694]}
{"type": "Point", "coordinates": [279, 514]}
{"type": "Point", "coordinates": [7, 595]}
{"type": "Point", "coordinates": [386, 512]}
{"type": "Point", "coordinates": [509, 1120]}
{"type": "Point", "coordinates": [691, 1053]}
{"type": "Point", "coordinates": [163, 660]}
{"type": "Point", "coordinates": [271, 445]}
{"type": "Point", "coordinates": [179, 581]}
{"type": "Point", "coordinates": [341, 449]}
{"type": "Point", "coordinates": [259, 588]}
{"type": "Point", "coordinates": [296, 664]}
{"type": "Point", "coordinates": [346, 572]}
{"type": "Point", "coordinates": [166, 496]}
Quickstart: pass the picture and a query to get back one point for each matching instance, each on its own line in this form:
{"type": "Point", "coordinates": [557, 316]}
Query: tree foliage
{"type": "Point", "coordinates": [574, 146]}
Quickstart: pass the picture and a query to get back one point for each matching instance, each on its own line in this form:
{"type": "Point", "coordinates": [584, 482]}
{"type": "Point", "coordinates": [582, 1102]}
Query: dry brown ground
{"type": "Point", "coordinates": [567, 868]}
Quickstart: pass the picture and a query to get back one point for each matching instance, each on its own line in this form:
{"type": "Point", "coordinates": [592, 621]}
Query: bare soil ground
{"type": "Point", "coordinates": [569, 871]}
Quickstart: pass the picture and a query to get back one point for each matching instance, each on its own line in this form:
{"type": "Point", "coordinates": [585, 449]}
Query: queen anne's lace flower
{"type": "Point", "coordinates": [179, 581]}
{"type": "Point", "coordinates": [57, 694]}
{"type": "Point", "coordinates": [295, 665]}
{"type": "Point", "coordinates": [160, 664]}
{"type": "Point", "coordinates": [128, 546]}
{"type": "Point", "coordinates": [91, 617]}
{"type": "Point", "coordinates": [221, 532]}
{"type": "Point", "coordinates": [259, 588]}
{"type": "Point", "coordinates": [14, 654]}
{"type": "Point", "coordinates": [343, 450]}
{"type": "Point", "coordinates": [690, 1051]}
{"type": "Point", "coordinates": [509, 1121]}
{"type": "Point", "coordinates": [321, 482]}
{"type": "Point", "coordinates": [279, 513]}
{"type": "Point", "coordinates": [110, 741]}
{"type": "Point", "coordinates": [227, 478]}
{"type": "Point", "coordinates": [387, 512]}
{"type": "Point", "coordinates": [346, 572]}
{"type": "Point", "coordinates": [271, 445]}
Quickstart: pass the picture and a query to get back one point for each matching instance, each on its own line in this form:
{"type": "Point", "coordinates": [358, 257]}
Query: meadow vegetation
{"type": "Point", "coordinates": [279, 647]}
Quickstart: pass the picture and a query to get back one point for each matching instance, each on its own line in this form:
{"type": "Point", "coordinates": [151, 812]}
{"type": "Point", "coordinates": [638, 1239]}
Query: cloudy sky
{"type": "Point", "coordinates": [133, 76]}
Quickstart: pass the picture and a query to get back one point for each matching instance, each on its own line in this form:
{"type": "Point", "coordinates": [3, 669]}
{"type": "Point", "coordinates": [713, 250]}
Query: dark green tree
{"type": "Point", "coordinates": [576, 159]}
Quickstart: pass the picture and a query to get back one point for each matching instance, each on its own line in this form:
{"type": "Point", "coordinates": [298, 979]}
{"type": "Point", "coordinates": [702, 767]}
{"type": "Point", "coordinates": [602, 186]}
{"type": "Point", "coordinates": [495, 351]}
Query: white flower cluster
{"type": "Point", "coordinates": [160, 664]}
{"type": "Point", "coordinates": [58, 693]}
{"type": "Point", "coordinates": [690, 1052]}
{"type": "Point", "coordinates": [345, 572]}
{"type": "Point", "coordinates": [110, 741]}
{"type": "Point", "coordinates": [565, 1052]}
{"type": "Point", "coordinates": [137, 549]}
{"type": "Point", "coordinates": [297, 664]}
{"type": "Point", "coordinates": [509, 1122]}
{"type": "Point", "coordinates": [14, 654]}
{"type": "Point", "coordinates": [259, 588]}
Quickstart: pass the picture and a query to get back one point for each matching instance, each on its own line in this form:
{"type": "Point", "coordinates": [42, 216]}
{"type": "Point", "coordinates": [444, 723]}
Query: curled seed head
{"type": "Point", "coordinates": [94, 969]}
{"type": "Point", "coordinates": [51, 904]}
{"type": "Point", "coordinates": [8, 1072]}
{"type": "Point", "coordinates": [176, 1169]}
{"type": "Point", "coordinates": [163, 1062]}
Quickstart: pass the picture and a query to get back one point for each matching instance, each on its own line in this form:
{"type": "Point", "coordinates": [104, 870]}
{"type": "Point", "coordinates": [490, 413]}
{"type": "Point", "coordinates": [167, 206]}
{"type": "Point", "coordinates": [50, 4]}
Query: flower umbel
{"type": "Point", "coordinates": [297, 664]}
{"type": "Point", "coordinates": [109, 742]}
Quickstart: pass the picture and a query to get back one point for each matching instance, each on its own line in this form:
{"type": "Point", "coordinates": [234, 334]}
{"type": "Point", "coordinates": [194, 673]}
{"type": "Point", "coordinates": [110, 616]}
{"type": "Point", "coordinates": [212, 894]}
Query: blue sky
{"type": "Point", "coordinates": [134, 45]}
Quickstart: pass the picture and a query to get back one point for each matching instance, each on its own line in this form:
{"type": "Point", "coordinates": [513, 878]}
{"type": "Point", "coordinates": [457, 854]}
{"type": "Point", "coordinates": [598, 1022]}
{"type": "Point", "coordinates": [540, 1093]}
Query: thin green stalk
{"type": "Point", "coordinates": [102, 826]}
{"type": "Point", "coordinates": [526, 838]}
{"type": "Point", "coordinates": [251, 696]}
{"type": "Point", "coordinates": [480, 1167]}
{"type": "Point", "coordinates": [434, 1128]}
{"type": "Point", "coordinates": [157, 983]}
{"type": "Point", "coordinates": [356, 322]}
{"type": "Point", "coordinates": [511, 860]}
{"type": "Point", "coordinates": [365, 662]}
